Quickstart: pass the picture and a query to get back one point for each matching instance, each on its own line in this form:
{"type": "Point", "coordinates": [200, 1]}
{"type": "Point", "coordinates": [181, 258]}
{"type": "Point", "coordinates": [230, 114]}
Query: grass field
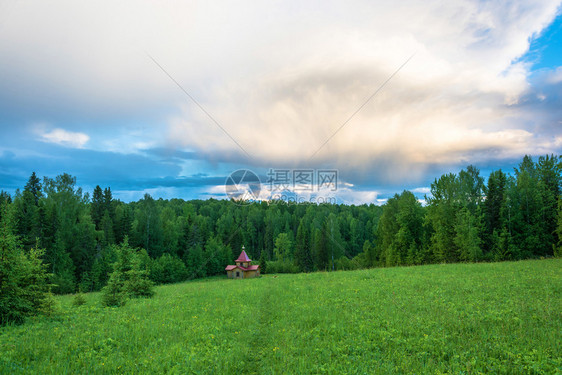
{"type": "Point", "coordinates": [460, 318]}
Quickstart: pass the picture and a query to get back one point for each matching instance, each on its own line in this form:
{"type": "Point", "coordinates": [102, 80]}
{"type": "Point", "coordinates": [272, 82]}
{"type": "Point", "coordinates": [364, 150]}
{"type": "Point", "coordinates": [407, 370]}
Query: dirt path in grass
{"type": "Point", "coordinates": [260, 334]}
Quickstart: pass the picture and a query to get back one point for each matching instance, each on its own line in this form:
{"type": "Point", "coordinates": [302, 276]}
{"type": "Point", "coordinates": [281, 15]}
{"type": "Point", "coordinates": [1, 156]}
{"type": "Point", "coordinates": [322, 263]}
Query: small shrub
{"type": "Point", "coordinates": [168, 269]}
{"type": "Point", "coordinates": [79, 300]}
{"type": "Point", "coordinates": [113, 294]}
{"type": "Point", "coordinates": [263, 263]}
{"type": "Point", "coordinates": [346, 264]}
{"type": "Point", "coordinates": [136, 282]}
{"type": "Point", "coordinates": [128, 279]}
{"type": "Point", "coordinates": [282, 266]}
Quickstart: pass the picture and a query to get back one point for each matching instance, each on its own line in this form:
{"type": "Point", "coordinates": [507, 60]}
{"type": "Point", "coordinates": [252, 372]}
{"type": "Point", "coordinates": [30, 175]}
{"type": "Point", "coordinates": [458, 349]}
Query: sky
{"type": "Point", "coordinates": [169, 98]}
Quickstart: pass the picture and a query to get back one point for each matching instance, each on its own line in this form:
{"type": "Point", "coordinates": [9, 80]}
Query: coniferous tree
{"type": "Point", "coordinates": [513, 217]}
{"type": "Point", "coordinates": [356, 236]}
{"type": "Point", "coordinates": [335, 243]}
{"type": "Point", "coordinates": [28, 212]}
{"type": "Point", "coordinates": [527, 227]}
{"type": "Point", "coordinates": [128, 278]}
{"type": "Point", "coordinates": [24, 287]}
{"type": "Point", "coordinates": [549, 176]}
{"type": "Point", "coordinates": [263, 263]}
{"type": "Point", "coordinates": [97, 206]}
{"type": "Point", "coordinates": [386, 231]}
{"type": "Point", "coordinates": [122, 223]}
{"type": "Point", "coordinates": [108, 202]}
{"type": "Point", "coordinates": [137, 283]}
{"type": "Point", "coordinates": [322, 256]}
{"type": "Point", "coordinates": [5, 199]}
{"type": "Point", "coordinates": [106, 226]}
{"type": "Point", "coordinates": [557, 247]}
{"type": "Point", "coordinates": [495, 209]}
{"type": "Point", "coordinates": [303, 256]}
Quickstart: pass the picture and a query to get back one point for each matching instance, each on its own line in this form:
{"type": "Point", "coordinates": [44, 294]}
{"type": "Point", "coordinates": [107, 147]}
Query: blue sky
{"type": "Point", "coordinates": [81, 94]}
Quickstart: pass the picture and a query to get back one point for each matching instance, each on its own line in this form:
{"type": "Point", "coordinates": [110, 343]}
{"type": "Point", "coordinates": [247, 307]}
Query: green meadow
{"type": "Point", "coordinates": [458, 318]}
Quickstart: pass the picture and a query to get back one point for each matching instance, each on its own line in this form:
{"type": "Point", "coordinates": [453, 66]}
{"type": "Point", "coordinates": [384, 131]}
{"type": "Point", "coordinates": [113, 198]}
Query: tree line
{"type": "Point", "coordinates": [509, 217]}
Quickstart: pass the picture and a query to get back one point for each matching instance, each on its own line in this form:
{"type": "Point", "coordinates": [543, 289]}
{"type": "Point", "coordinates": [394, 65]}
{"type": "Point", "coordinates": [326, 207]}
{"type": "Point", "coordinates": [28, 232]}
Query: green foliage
{"type": "Point", "coordinates": [24, 287]}
{"type": "Point", "coordinates": [322, 256]}
{"type": "Point", "coordinates": [128, 278]}
{"type": "Point", "coordinates": [113, 294]}
{"type": "Point", "coordinates": [216, 257]}
{"type": "Point", "coordinates": [346, 264]}
{"type": "Point", "coordinates": [467, 238]}
{"type": "Point", "coordinates": [485, 318]}
{"type": "Point", "coordinates": [147, 231]}
{"type": "Point", "coordinates": [557, 247]}
{"type": "Point", "coordinates": [79, 300]}
{"type": "Point", "coordinates": [512, 217]}
{"type": "Point", "coordinates": [28, 212]}
{"type": "Point", "coordinates": [303, 256]}
{"type": "Point", "coordinates": [5, 201]}
{"type": "Point", "coordinates": [283, 247]}
{"type": "Point", "coordinates": [97, 206]}
{"type": "Point", "coordinates": [442, 210]}
{"type": "Point", "coordinates": [137, 283]}
{"type": "Point", "coordinates": [195, 262]}
{"type": "Point", "coordinates": [496, 209]}
{"type": "Point", "coordinates": [281, 266]}
{"type": "Point", "coordinates": [168, 269]}
{"type": "Point", "coordinates": [71, 242]}
{"type": "Point", "coordinates": [263, 263]}
{"type": "Point", "coordinates": [400, 231]}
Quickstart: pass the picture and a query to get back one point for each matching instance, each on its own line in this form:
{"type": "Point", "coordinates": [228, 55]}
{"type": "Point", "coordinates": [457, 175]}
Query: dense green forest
{"type": "Point", "coordinates": [512, 216]}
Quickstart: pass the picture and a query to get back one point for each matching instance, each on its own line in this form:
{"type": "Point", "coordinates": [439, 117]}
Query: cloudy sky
{"type": "Point", "coordinates": [171, 97]}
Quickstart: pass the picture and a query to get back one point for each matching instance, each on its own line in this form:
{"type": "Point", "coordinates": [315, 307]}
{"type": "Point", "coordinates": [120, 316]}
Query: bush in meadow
{"type": "Point", "coordinates": [128, 278]}
{"type": "Point", "coordinates": [281, 266]}
{"type": "Point", "coordinates": [79, 300]}
{"type": "Point", "coordinates": [137, 283]}
{"type": "Point", "coordinates": [168, 269]}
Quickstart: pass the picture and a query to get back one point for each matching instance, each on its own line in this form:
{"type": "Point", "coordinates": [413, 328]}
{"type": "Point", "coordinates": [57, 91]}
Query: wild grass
{"type": "Point", "coordinates": [459, 318]}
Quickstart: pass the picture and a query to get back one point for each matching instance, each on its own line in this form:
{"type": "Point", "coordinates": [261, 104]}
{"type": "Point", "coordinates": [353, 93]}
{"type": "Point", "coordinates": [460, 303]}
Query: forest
{"type": "Point", "coordinates": [73, 234]}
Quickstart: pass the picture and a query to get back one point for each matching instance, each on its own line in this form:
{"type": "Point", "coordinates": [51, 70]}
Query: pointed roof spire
{"type": "Point", "coordinates": [243, 256]}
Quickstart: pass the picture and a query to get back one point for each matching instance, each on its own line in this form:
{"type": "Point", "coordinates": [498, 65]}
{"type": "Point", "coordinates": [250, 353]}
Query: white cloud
{"type": "Point", "coordinates": [455, 101]}
{"type": "Point", "coordinates": [282, 77]}
{"type": "Point", "coordinates": [381, 201]}
{"type": "Point", "coordinates": [62, 137]}
{"type": "Point", "coordinates": [421, 190]}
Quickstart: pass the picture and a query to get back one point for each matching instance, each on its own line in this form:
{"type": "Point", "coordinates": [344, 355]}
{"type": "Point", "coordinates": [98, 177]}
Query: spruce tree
{"type": "Point", "coordinates": [97, 206]}
{"type": "Point", "coordinates": [263, 263]}
{"type": "Point", "coordinates": [24, 289]}
{"type": "Point", "coordinates": [136, 282]}
{"type": "Point", "coordinates": [128, 279]}
{"type": "Point", "coordinates": [303, 257]}
{"type": "Point", "coordinates": [28, 212]}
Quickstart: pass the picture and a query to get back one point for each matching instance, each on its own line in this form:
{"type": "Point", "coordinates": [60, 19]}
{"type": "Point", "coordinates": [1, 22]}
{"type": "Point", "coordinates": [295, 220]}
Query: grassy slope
{"type": "Point", "coordinates": [499, 317]}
